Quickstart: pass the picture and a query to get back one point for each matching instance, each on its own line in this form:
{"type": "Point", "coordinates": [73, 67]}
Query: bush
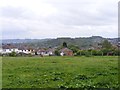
{"type": "Point", "coordinates": [83, 52]}
{"type": "Point", "coordinates": [13, 54]}
{"type": "Point", "coordinates": [30, 55]}
{"type": "Point", "coordinates": [79, 53]}
{"type": "Point", "coordinates": [94, 52]}
{"type": "Point", "coordinates": [99, 53]}
{"type": "Point", "coordinates": [87, 54]}
{"type": "Point", "coordinates": [57, 53]}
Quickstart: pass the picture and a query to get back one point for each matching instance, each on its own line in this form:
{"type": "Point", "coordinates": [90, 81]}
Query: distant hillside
{"type": "Point", "coordinates": [82, 42]}
{"type": "Point", "coordinates": [22, 40]}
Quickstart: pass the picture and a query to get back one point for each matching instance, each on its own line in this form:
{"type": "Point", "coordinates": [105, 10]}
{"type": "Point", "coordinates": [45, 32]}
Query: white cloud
{"type": "Point", "coordinates": [53, 18]}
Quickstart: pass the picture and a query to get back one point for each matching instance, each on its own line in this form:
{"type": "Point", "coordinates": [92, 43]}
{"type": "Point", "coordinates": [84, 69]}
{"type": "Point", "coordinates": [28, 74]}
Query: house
{"type": "Point", "coordinates": [41, 51]}
{"type": "Point", "coordinates": [9, 48]}
{"type": "Point", "coordinates": [45, 52]}
{"type": "Point", "coordinates": [26, 50]}
{"type": "Point", "coordinates": [66, 52]}
{"type": "Point", "coordinates": [51, 51]}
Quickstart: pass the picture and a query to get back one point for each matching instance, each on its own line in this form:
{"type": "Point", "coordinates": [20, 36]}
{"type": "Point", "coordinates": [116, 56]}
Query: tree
{"type": "Point", "coordinates": [13, 54]}
{"type": "Point", "coordinates": [79, 53]}
{"type": "Point", "coordinates": [106, 47]}
{"type": "Point", "coordinates": [99, 53]}
{"type": "Point", "coordinates": [105, 51]}
{"type": "Point", "coordinates": [64, 44]}
{"type": "Point", "coordinates": [87, 53]}
{"type": "Point", "coordinates": [116, 52]}
{"type": "Point", "coordinates": [83, 52]}
{"type": "Point", "coordinates": [74, 48]}
{"type": "Point", "coordinates": [57, 52]}
{"type": "Point", "coordinates": [94, 52]}
{"type": "Point", "coordinates": [106, 44]}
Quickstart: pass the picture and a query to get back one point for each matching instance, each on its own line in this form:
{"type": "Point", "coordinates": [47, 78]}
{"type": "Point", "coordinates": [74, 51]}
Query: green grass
{"type": "Point", "coordinates": [60, 72]}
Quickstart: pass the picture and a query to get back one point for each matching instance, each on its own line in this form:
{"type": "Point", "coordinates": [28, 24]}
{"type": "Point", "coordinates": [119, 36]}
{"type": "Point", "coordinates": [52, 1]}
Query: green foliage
{"type": "Point", "coordinates": [87, 53]}
{"type": "Point", "coordinates": [13, 54]}
{"type": "Point", "coordinates": [97, 52]}
{"type": "Point", "coordinates": [74, 48]}
{"type": "Point", "coordinates": [81, 42]}
{"type": "Point", "coordinates": [94, 52]}
{"type": "Point", "coordinates": [105, 51]}
{"type": "Point", "coordinates": [116, 52]}
{"type": "Point", "coordinates": [60, 72]}
{"type": "Point", "coordinates": [106, 47]}
{"type": "Point", "coordinates": [79, 53]}
{"type": "Point", "coordinates": [30, 55]}
{"type": "Point", "coordinates": [57, 52]}
{"type": "Point", "coordinates": [106, 44]}
{"type": "Point", "coordinates": [64, 44]}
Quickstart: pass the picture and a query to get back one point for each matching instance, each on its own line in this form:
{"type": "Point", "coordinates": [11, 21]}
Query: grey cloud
{"type": "Point", "coordinates": [69, 14]}
{"type": "Point", "coordinates": [13, 32]}
{"type": "Point", "coordinates": [77, 14]}
{"type": "Point", "coordinates": [15, 12]}
{"type": "Point", "coordinates": [11, 12]}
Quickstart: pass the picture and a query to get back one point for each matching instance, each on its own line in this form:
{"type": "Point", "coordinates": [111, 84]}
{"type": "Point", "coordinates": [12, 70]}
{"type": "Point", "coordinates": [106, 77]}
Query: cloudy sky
{"type": "Point", "coordinates": [58, 18]}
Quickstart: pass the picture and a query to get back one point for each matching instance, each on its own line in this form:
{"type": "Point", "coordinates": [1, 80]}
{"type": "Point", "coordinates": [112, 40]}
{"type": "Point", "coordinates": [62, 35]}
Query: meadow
{"type": "Point", "coordinates": [60, 72]}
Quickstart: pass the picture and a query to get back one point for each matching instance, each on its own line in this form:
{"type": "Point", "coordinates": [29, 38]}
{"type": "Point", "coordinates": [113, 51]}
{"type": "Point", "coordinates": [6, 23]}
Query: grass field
{"type": "Point", "coordinates": [60, 72]}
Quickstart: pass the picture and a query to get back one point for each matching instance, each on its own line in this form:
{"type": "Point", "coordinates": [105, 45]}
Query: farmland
{"type": "Point", "coordinates": [60, 72]}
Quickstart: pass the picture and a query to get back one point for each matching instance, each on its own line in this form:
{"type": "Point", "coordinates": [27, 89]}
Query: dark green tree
{"type": "Point", "coordinates": [106, 47]}
{"type": "Point", "coordinates": [79, 53]}
{"type": "Point", "coordinates": [74, 48]}
{"type": "Point", "coordinates": [64, 44]}
{"type": "Point", "coordinates": [57, 52]}
{"type": "Point", "coordinates": [13, 54]}
{"type": "Point", "coordinates": [94, 52]}
{"type": "Point", "coordinates": [87, 53]}
{"type": "Point", "coordinates": [106, 44]}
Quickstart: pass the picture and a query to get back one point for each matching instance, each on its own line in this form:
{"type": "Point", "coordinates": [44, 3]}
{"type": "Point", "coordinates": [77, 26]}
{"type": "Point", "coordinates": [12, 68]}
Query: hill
{"type": "Point", "coordinates": [82, 42]}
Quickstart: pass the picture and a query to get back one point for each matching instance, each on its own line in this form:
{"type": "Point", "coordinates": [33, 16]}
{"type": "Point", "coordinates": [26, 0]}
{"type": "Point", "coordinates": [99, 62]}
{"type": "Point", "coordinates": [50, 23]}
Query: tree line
{"type": "Point", "coordinates": [106, 49]}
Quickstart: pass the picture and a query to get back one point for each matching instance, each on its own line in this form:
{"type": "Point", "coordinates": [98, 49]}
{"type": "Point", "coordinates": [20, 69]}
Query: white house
{"type": "Point", "coordinates": [50, 51]}
{"type": "Point", "coordinates": [26, 50]}
{"type": "Point", "coordinates": [8, 48]}
{"type": "Point", "coordinates": [44, 52]}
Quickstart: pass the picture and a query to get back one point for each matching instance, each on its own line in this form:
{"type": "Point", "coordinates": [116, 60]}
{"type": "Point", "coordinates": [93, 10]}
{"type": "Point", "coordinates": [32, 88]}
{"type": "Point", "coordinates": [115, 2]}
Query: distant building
{"type": "Point", "coordinates": [26, 50]}
{"type": "Point", "coordinates": [51, 51]}
{"type": "Point", "coordinates": [45, 52]}
{"type": "Point", "coordinates": [8, 48]}
{"type": "Point", "coordinates": [66, 52]}
{"type": "Point", "coordinates": [41, 51]}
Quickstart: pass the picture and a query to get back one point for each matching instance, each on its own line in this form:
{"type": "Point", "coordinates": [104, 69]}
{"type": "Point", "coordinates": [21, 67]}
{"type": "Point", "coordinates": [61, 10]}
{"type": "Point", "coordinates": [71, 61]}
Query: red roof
{"type": "Point", "coordinates": [65, 49]}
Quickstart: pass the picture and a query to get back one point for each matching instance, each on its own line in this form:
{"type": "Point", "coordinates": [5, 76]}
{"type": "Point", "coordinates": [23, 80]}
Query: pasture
{"type": "Point", "coordinates": [60, 72]}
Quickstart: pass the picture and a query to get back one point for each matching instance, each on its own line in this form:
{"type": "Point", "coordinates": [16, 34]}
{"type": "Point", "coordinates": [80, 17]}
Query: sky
{"type": "Point", "coordinates": [40, 19]}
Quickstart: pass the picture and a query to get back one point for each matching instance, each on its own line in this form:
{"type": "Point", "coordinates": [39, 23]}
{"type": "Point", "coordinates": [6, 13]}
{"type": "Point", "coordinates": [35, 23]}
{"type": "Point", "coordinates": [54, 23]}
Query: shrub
{"type": "Point", "coordinates": [87, 54]}
{"type": "Point", "coordinates": [13, 54]}
{"type": "Point", "coordinates": [57, 53]}
{"type": "Point", "coordinates": [30, 55]}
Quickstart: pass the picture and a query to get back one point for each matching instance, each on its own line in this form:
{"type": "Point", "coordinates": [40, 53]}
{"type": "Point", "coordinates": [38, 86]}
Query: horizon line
{"type": "Point", "coordinates": [62, 37]}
